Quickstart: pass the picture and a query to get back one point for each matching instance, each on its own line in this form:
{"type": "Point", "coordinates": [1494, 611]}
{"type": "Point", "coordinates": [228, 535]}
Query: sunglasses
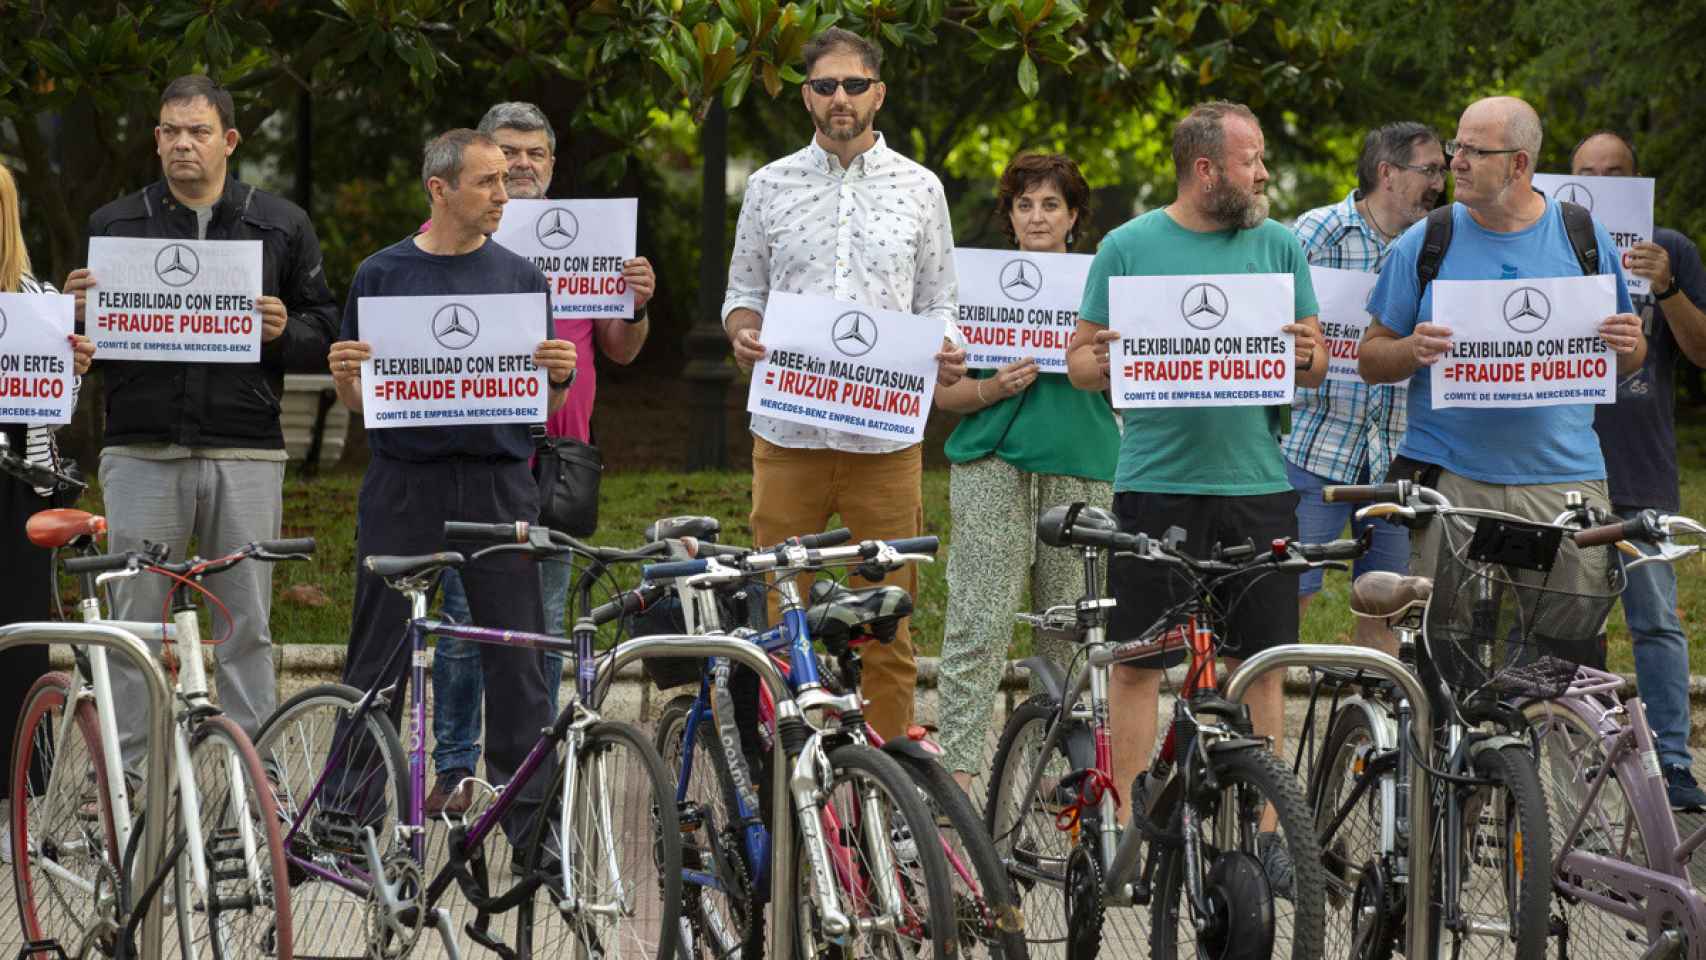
{"type": "Point", "coordinates": [825, 86]}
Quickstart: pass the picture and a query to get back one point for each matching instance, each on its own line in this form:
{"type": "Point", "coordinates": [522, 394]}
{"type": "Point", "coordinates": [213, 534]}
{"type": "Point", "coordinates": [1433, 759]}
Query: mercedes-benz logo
{"type": "Point", "coordinates": [455, 325]}
{"type": "Point", "coordinates": [176, 265]}
{"type": "Point", "coordinates": [1527, 310]}
{"type": "Point", "coordinates": [854, 333]}
{"type": "Point", "coordinates": [556, 228]}
{"type": "Point", "coordinates": [2, 323]}
{"type": "Point", "coordinates": [1203, 306]}
{"type": "Point", "coordinates": [1021, 280]}
{"type": "Point", "coordinates": [1577, 194]}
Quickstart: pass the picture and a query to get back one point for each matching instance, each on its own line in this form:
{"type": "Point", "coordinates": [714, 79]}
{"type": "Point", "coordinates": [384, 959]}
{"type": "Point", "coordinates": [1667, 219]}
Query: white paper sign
{"type": "Point", "coordinates": [453, 360]}
{"type": "Point", "coordinates": [847, 367]}
{"type": "Point", "coordinates": [1343, 298]}
{"type": "Point", "coordinates": [580, 246]}
{"type": "Point", "coordinates": [1015, 304]}
{"type": "Point", "coordinates": [36, 364]}
{"type": "Point", "coordinates": [181, 300]}
{"type": "Point", "coordinates": [1525, 343]}
{"type": "Point", "coordinates": [1202, 341]}
{"type": "Point", "coordinates": [1623, 205]}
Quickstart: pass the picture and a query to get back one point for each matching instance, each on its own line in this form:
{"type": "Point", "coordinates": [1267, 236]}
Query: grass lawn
{"type": "Point", "coordinates": [324, 508]}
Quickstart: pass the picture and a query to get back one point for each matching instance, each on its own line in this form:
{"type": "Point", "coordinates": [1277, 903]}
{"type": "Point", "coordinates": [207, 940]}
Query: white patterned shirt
{"type": "Point", "coordinates": [875, 233]}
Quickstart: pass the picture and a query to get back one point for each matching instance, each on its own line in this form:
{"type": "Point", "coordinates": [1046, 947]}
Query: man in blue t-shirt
{"type": "Point", "coordinates": [419, 477]}
{"type": "Point", "coordinates": [1638, 437]}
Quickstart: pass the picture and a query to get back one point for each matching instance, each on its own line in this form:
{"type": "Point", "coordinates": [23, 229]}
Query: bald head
{"type": "Point", "coordinates": [1603, 154]}
{"type": "Point", "coordinates": [1513, 119]}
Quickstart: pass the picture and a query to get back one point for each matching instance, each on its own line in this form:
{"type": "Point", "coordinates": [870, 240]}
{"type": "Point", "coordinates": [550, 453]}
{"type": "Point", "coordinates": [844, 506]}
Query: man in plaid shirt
{"type": "Point", "coordinates": [1348, 432]}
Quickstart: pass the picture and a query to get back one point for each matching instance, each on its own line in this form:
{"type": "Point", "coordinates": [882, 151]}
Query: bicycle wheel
{"type": "Point", "coordinates": [1022, 826]}
{"type": "Point", "coordinates": [1506, 864]}
{"type": "Point", "coordinates": [244, 908]}
{"type": "Point", "coordinates": [1254, 908]}
{"type": "Point", "coordinates": [1363, 904]}
{"type": "Point", "coordinates": [368, 787]}
{"type": "Point", "coordinates": [870, 813]}
{"type": "Point", "coordinates": [64, 846]}
{"type": "Point", "coordinates": [1568, 756]}
{"type": "Point", "coordinates": [623, 856]}
{"type": "Point", "coordinates": [987, 919]}
{"type": "Point", "coordinates": [718, 916]}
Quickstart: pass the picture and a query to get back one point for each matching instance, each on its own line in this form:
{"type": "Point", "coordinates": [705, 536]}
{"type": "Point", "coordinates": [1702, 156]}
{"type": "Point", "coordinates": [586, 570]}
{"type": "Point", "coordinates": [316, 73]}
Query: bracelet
{"type": "Point", "coordinates": [639, 315]}
{"type": "Point", "coordinates": [980, 394]}
{"type": "Point", "coordinates": [1670, 291]}
{"type": "Point", "coordinates": [560, 386]}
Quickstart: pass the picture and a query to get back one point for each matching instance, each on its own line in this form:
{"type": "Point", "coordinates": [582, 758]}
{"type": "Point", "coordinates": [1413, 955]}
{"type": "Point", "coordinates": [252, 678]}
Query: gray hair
{"type": "Point", "coordinates": [518, 115]}
{"type": "Point", "coordinates": [443, 155]}
{"type": "Point", "coordinates": [1522, 128]}
{"type": "Point", "coordinates": [1392, 144]}
{"type": "Point", "coordinates": [1203, 134]}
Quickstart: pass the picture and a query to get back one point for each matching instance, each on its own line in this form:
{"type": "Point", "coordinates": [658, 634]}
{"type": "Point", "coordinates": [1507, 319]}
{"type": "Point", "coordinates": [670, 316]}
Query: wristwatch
{"type": "Point", "coordinates": [639, 315]}
{"type": "Point", "coordinates": [1670, 291]}
{"type": "Point", "coordinates": [563, 385]}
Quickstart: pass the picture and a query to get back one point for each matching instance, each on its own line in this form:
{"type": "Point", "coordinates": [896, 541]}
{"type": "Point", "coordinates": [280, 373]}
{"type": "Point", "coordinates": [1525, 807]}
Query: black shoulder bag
{"type": "Point", "coordinates": [568, 472]}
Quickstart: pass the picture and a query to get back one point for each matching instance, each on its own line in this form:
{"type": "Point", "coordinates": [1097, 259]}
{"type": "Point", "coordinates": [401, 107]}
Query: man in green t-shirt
{"type": "Point", "coordinates": [1215, 471]}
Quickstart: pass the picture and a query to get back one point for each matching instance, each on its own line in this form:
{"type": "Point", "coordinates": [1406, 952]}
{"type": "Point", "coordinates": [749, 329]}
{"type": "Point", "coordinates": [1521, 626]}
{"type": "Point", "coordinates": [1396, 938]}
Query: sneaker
{"type": "Point", "coordinates": [1276, 863]}
{"type": "Point", "coordinates": [450, 796]}
{"type": "Point", "coordinates": [1685, 794]}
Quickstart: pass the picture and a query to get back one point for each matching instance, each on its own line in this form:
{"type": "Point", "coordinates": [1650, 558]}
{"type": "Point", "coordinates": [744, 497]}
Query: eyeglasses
{"type": "Point", "coordinates": [1432, 171]}
{"type": "Point", "coordinates": [825, 86]}
{"type": "Point", "coordinates": [1472, 154]}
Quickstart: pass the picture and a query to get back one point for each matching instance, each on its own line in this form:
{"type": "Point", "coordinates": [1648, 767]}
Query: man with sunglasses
{"type": "Point", "coordinates": [1521, 460]}
{"type": "Point", "coordinates": [1348, 432]}
{"type": "Point", "coordinates": [846, 217]}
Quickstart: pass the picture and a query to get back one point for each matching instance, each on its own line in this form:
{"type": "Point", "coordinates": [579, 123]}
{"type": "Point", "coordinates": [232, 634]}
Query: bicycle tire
{"type": "Point", "coordinates": [653, 876]}
{"type": "Point", "coordinates": [988, 921]}
{"type": "Point", "coordinates": [248, 914]}
{"type": "Point", "coordinates": [1567, 751]}
{"type": "Point", "coordinates": [1022, 830]}
{"type": "Point", "coordinates": [327, 919]}
{"type": "Point", "coordinates": [1509, 816]}
{"type": "Point", "coordinates": [1351, 849]}
{"type": "Point", "coordinates": [914, 844]}
{"type": "Point", "coordinates": [717, 924]}
{"type": "Point", "coordinates": [1251, 779]}
{"type": "Point", "coordinates": [49, 821]}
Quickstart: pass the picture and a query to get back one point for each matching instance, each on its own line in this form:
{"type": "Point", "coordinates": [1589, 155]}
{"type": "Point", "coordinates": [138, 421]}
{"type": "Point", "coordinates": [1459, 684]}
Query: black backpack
{"type": "Point", "coordinates": [1578, 223]}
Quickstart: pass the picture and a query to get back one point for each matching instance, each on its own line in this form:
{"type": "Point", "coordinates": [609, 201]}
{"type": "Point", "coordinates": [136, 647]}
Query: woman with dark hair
{"type": "Point", "coordinates": [26, 590]}
{"type": "Point", "coordinates": [1028, 440]}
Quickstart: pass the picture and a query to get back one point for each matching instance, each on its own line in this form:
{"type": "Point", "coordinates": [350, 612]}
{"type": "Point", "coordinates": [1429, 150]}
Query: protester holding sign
{"type": "Point", "coordinates": [421, 476]}
{"type": "Point", "coordinates": [1637, 435]}
{"type": "Point", "coordinates": [196, 448]}
{"type": "Point", "coordinates": [849, 219]}
{"type": "Point", "coordinates": [1028, 440]}
{"type": "Point", "coordinates": [1520, 459]}
{"type": "Point", "coordinates": [1346, 431]}
{"type": "Point", "coordinates": [1216, 471]}
{"type": "Point", "coordinates": [26, 592]}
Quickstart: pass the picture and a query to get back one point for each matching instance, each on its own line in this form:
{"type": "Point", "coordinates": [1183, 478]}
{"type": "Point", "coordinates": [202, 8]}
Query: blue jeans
{"type": "Point", "coordinates": [1318, 521]}
{"type": "Point", "coordinates": [1661, 655]}
{"type": "Point", "coordinates": [456, 678]}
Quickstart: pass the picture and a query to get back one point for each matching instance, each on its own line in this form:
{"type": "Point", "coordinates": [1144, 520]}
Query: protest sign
{"type": "Point", "coordinates": [1202, 341]}
{"type": "Point", "coordinates": [1343, 299]}
{"type": "Point", "coordinates": [851, 368]}
{"type": "Point", "coordinates": [182, 300]}
{"type": "Point", "coordinates": [579, 245]}
{"type": "Point", "coordinates": [1525, 343]}
{"type": "Point", "coordinates": [1623, 205]}
{"type": "Point", "coordinates": [36, 363]}
{"type": "Point", "coordinates": [1016, 304]}
{"type": "Point", "coordinates": [447, 360]}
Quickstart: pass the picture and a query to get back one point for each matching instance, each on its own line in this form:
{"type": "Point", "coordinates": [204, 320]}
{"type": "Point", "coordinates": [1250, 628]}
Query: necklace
{"type": "Point", "coordinates": [1368, 214]}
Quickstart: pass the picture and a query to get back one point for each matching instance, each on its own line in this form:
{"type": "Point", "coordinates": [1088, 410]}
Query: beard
{"type": "Point", "coordinates": [826, 125]}
{"type": "Point", "coordinates": [1235, 208]}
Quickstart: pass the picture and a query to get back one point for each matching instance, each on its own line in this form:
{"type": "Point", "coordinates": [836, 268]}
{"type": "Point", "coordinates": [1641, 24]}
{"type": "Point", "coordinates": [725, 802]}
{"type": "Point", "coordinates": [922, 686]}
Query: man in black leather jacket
{"type": "Point", "coordinates": [196, 449]}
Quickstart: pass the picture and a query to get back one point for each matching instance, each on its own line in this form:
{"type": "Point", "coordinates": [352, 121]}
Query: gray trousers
{"type": "Point", "coordinates": [223, 504]}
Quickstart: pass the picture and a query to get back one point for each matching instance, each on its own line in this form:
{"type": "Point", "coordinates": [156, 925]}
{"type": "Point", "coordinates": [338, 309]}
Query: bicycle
{"type": "Point", "coordinates": [1620, 867]}
{"type": "Point", "coordinates": [74, 832]}
{"type": "Point", "coordinates": [603, 856]}
{"type": "Point", "coordinates": [877, 877]}
{"type": "Point", "coordinates": [1197, 811]}
{"type": "Point", "coordinates": [987, 921]}
{"type": "Point", "coordinates": [1510, 612]}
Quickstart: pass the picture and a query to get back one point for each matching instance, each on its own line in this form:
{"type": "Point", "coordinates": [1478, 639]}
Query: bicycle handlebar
{"type": "Point", "coordinates": [760, 561]}
{"type": "Point", "coordinates": [1364, 493]}
{"type": "Point", "coordinates": [100, 563]}
{"type": "Point", "coordinates": [486, 532]}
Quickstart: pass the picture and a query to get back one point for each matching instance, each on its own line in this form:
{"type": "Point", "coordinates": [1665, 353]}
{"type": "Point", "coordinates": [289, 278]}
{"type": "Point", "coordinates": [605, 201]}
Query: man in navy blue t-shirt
{"type": "Point", "coordinates": [419, 477]}
{"type": "Point", "coordinates": [1638, 436]}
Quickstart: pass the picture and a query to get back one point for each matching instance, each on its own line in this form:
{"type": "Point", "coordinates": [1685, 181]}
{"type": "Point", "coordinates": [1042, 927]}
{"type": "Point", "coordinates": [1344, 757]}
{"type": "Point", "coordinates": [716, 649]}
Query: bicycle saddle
{"type": "Point", "coordinates": [390, 567]}
{"type": "Point", "coordinates": [670, 528]}
{"type": "Point", "coordinates": [52, 529]}
{"type": "Point", "coordinates": [1381, 593]}
{"type": "Point", "coordinates": [1056, 524]}
{"type": "Point", "coordinates": [837, 614]}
